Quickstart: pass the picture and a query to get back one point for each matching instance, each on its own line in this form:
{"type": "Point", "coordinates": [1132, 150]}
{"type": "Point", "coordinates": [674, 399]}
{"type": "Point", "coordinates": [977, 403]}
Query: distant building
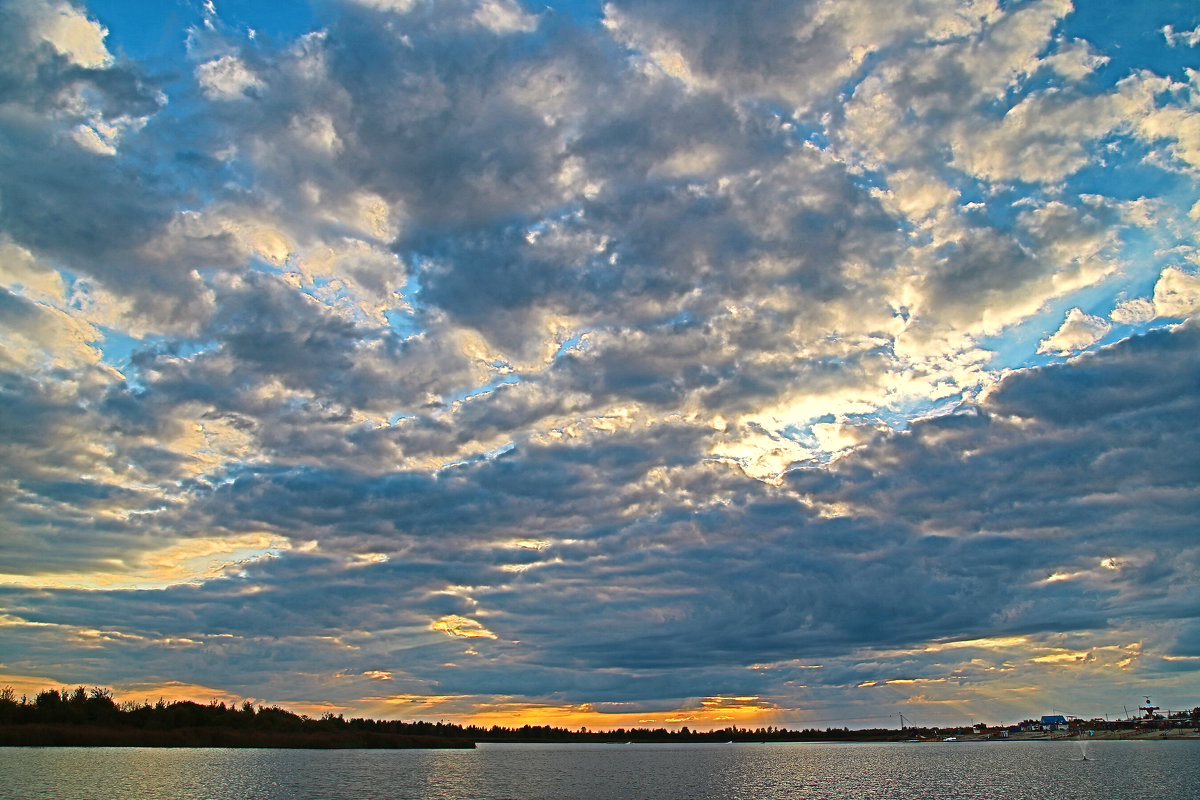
{"type": "Point", "coordinates": [1056, 722]}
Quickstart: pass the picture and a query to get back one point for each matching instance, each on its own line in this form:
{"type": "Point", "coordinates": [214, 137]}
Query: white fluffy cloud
{"type": "Point", "coordinates": [68, 30]}
{"type": "Point", "coordinates": [226, 77]}
{"type": "Point", "coordinates": [1176, 38]}
{"type": "Point", "coordinates": [1133, 312]}
{"type": "Point", "coordinates": [1079, 331]}
{"type": "Point", "coordinates": [1177, 293]}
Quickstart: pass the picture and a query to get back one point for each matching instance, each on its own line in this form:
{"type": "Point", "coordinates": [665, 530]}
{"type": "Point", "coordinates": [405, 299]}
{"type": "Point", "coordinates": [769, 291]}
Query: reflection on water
{"type": "Point", "coordinates": [1160, 770]}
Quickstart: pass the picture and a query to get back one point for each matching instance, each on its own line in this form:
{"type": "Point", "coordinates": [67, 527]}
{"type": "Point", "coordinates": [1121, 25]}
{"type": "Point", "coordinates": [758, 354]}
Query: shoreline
{"type": "Point", "coordinates": [67, 735]}
{"type": "Point", "coordinates": [1154, 735]}
{"type": "Point", "coordinates": [50, 736]}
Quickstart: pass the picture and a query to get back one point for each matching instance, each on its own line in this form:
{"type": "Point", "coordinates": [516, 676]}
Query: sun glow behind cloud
{"type": "Point", "coordinates": [187, 562]}
{"type": "Point", "coordinates": [709, 713]}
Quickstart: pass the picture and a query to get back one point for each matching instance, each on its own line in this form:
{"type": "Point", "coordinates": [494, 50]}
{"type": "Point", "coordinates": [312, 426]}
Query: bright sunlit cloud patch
{"type": "Point", "coordinates": [188, 562]}
{"type": "Point", "coordinates": [461, 627]}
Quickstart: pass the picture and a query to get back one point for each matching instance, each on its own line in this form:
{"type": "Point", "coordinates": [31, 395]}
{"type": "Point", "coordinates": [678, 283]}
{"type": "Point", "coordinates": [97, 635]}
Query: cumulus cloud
{"type": "Point", "coordinates": [1134, 311]}
{"type": "Point", "coordinates": [67, 29]}
{"type": "Point", "coordinates": [504, 16]}
{"type": "Point", "coordinates": [1176, 38]}
{"type": "Point", "coordinates": [1079, 331]}
{"type": "Point", "coordinates": [1177, 293]}
{"type": "Point", "coordinates": [226, 78]}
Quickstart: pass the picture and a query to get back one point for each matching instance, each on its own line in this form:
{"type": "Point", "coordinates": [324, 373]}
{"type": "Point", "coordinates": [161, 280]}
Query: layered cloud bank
{"type": "Point", "coordinates": [661, 361]}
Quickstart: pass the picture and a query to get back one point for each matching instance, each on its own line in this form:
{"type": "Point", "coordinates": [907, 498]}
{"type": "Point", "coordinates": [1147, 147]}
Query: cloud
{"type": "Point", "coordinates": [1181, 38]}
{"type": "Point", "coordinates": [226, 78]}
{"type": "Point", "coordinates": [504, 16]}
{"type": "Point", "coordinates": [67, 30]}
{"type": "Point", "coordinates": [69, 111]}
{"type": "Point", "coordinates": [1078, 332]}
{"type": "Point", "coordinates": [1034, 495]}
{"type": "Point", "coordinates": [194, 561]}
{"type": "Point", "coordinates": [1177, 293]}
{"type": "Point", "coordinates": [461, 627]}
{"type": "Point", "coordinates": [1130, 312]}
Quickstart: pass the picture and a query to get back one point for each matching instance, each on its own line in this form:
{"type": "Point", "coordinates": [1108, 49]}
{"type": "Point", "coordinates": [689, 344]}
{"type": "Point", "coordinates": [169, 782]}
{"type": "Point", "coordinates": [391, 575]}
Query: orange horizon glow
{"type": "Point", "coordinates": [709, 713]}
{"type": "Point", "coordinates": [700, 715]}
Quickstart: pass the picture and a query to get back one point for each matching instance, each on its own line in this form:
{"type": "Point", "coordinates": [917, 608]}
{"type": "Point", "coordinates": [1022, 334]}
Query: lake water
{"type": "Point", "coordinates": [1114, 769]}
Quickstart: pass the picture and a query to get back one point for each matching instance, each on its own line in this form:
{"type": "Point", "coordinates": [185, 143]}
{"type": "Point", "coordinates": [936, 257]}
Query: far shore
{"type": "Point", "coordinates": [83, 717]}
{"type": "Point", "coordinates": [100, 736]}
{"type": "Point", "coordinates": [66, 735]}
{"type": "Point", "coordinates": [1148, 735]}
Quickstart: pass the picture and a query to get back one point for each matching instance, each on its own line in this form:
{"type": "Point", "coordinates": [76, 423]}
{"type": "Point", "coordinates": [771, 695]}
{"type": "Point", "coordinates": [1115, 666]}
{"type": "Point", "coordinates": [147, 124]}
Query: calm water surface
{"type": "Point", "coordinates": [1009, 770]}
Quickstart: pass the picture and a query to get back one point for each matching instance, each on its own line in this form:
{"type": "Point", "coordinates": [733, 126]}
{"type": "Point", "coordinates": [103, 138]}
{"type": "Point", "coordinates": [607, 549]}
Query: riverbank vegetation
{"type": "Point", "coordinates": [83, 717]}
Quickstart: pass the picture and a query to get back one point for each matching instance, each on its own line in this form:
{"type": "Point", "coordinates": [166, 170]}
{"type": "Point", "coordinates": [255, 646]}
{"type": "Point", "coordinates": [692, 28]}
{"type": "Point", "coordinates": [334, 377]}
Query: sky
{"type": "Point", "coordinates": [603, 364]}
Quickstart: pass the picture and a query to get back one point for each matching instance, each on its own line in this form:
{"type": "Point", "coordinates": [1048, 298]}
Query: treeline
{"type": "Point", "coordinates": [545, 733]}
{"type": "Point", "coordinates": [84, 716]}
